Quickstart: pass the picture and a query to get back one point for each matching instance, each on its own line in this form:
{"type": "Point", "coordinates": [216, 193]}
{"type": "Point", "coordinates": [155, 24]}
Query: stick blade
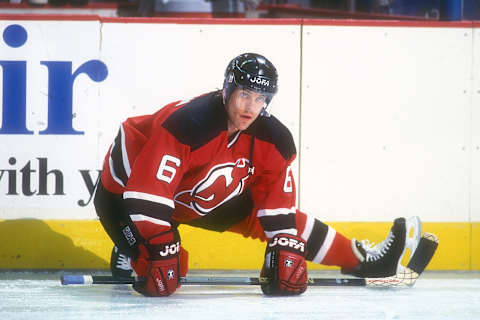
{"type": "Point", "coordinates": [406, 276]}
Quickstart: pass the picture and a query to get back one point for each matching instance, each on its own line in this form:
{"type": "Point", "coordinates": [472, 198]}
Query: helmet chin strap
{"type": "Point", "coordinates": [264, 112]}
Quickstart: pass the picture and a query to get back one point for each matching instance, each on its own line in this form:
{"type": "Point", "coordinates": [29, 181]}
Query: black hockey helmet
{"type": "Point", "coordinates": [251, 71]}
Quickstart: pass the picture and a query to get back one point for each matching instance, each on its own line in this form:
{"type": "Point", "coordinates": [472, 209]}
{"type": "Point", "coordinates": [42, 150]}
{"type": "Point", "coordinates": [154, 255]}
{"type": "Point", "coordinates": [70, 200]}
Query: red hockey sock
{"type": "Point", "coordinates": [340, 253]}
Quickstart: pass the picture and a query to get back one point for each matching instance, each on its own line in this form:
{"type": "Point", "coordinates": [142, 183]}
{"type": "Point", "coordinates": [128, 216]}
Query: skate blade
{"type": "Point", "coordinates": [413, 227]}
{"type": "Point", "coordinates": [414, 233]}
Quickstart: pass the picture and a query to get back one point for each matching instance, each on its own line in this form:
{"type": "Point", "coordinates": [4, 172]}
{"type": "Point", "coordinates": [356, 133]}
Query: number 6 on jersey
{"type": "Point", "coordinates": [165, 171]}
{"type": "Point", "coordinates": [288, 184]}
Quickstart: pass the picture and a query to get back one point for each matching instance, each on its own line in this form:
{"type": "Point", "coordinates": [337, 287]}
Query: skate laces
{"type": "Point", "coordinates": [123, 262]}
{"type": "Point", "coordinates": [374, 252]}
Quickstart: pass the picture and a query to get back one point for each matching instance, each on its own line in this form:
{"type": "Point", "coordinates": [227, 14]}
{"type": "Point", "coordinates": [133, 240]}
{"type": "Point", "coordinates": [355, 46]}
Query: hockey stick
{"type": "Point", "coordinates": [406, 277]}
{"type": "Point", "coordinates": [241, 281]}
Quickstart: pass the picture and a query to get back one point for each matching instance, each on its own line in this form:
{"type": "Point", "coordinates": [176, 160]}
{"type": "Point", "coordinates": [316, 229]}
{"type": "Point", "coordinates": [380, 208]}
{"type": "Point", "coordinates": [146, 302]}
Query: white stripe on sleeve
{"type": "Point", "coordinates": [308, 228]}
{"type": "Point", "coordinates": [327, 243]}
{"type": "Point", "coordinates": [112, 170]}
{"type": "Point", "coordinates": [141, 217]}
{"type": "Point", "coordinates": [271, 234]}
{"type": "Point", "coordinates": [126, 163]}
{"type": "Point", "coordinates": [274, 212]}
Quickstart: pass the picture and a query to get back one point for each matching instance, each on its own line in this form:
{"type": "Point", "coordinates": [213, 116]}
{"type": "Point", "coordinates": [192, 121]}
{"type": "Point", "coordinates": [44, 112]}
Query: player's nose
{"type": "Point", "coordinates": [248, 105]}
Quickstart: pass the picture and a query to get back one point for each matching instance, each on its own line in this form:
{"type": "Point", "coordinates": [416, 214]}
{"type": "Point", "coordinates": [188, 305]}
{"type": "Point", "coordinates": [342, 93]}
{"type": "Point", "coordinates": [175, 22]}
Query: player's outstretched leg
{"type": "Point", "coordinates": [383, 259]}
{"type": "Point", "coordinates": [120, 264]}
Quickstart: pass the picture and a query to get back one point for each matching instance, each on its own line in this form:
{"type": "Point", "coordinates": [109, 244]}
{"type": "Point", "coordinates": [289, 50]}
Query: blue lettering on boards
{"type": "Point", "coordinates": [61, 79]}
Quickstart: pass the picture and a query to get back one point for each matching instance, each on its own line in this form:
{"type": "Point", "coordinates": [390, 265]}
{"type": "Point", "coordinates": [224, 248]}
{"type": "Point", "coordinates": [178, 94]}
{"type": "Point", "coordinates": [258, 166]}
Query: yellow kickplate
{"type": "Point", "coordinates": [83, 244]}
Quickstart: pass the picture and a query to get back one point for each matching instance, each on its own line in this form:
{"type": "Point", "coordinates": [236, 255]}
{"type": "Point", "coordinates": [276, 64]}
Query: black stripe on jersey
{"type": "Point", "coordinates": [117, 159]}
{"type": "Point", "coordinates": [270, 129]}
{"type": "Point", "coordinates": [199, 121]}
{"type": "Point", "coordinates": [278, 222]}
{"type": "Point", "coordinates": [228, 214]}
{"type": "Point", "coordinates": [150, 209]}
{"type": "Point", "coordinates": [317, 237]}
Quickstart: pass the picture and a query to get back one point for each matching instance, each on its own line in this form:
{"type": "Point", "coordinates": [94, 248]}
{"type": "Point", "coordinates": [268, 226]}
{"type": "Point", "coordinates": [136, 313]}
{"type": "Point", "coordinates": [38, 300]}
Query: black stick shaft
{"type": "Point", "coordinates": [86, 279]}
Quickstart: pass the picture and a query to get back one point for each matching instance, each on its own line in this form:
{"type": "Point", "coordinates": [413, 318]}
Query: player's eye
{"type": "Point", "coordinates": [261, 99]}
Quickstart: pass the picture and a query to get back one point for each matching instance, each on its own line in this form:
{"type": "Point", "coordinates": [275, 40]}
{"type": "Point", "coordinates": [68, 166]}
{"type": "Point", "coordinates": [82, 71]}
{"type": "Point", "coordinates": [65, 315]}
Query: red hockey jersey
{"type": "Point", "coordinates": [180, 166]}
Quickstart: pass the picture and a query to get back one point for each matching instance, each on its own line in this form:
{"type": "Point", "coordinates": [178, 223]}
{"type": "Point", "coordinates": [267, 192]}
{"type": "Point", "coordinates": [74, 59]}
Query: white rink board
{"type": "Point", "coordinates": [389, 122]}
{"type": "Point", "coordinates": [161, 63]}
{"type": "Point", "coordinates": [475, 159]}
{"type": "Point", "coordinates": [149, 65]}
{"type": "Point", "coordinates": [52, 41]}
{"type": "Point", "coordinates": [386, 116]}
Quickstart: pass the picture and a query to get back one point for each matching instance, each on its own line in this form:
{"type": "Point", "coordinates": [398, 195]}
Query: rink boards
{"type": "Point", "coordinates": [67, 244]}
{"type": "Point", "coordinates": [384, 115]}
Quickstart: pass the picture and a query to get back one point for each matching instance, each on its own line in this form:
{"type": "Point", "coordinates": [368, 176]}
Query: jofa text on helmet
{"type": "Point", "coordinates": [260, 81]}
{"type": "Point", "coordinates": [288, 242]}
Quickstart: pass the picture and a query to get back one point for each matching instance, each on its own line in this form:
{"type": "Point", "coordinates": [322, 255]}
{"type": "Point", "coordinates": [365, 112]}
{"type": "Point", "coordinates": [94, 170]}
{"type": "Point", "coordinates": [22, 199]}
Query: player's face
{"type": "Point", "coordinates": [243, 108]}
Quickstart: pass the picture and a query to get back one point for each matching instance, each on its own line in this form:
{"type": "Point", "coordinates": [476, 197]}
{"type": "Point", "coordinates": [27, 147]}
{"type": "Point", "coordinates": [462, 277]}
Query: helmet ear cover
{"type": "Point", "coordinates": [250, 71]}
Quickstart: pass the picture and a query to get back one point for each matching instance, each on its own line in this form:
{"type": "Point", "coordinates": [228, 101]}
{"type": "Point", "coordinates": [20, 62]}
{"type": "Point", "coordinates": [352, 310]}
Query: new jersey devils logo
{"type": "Point", "coordinates": [222, 183]}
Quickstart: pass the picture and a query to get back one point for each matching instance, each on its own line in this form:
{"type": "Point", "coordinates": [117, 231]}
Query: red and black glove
{"type": "Point", "coordinates": [284, 270]}
{"type": "Point", "coordinates": [158, 265]}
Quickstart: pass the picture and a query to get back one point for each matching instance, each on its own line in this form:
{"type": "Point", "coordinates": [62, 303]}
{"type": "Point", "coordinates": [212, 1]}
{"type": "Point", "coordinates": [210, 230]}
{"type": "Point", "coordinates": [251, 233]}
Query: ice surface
{"type": "Point", "coordinates": [436, 295]}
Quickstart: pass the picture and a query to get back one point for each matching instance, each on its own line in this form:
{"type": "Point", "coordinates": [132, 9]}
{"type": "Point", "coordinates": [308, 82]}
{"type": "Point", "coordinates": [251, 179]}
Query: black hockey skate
{"type": "Point", "coordinates": [383, 260]}
{"type": "Point", "coordinates": [120, 264]}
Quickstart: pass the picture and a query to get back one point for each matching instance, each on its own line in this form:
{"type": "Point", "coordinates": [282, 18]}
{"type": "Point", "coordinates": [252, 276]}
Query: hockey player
{"type": "Point", "coordinates": [221, 162]}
